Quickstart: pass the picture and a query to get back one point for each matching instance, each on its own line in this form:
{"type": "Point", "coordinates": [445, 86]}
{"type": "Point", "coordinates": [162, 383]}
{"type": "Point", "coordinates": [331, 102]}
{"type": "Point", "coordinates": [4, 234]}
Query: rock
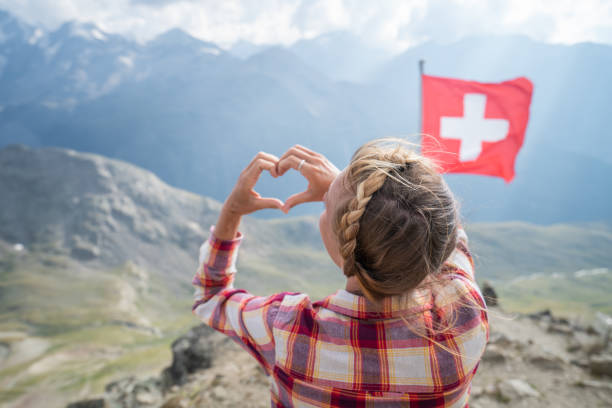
{"type": "Point", "coordinates": [588, 343]}
{"type": "Point", "coordinates": [601, 365]}
{"type": "Point", "coordinates": [580, 362]}
{"type": "Point", "coordinates": [5, 351]}
{"type": "Point", "coordinates": [560, 328]}
{"type": "Point", "coordinates": [131, 392]}
{"type": "Point", "coordinates": [546, 361]}
{"type": "Point", "coordinates": [545, 314]}
{"type": "Point", "coordinates": [145, 398]}
{"type": "Point", "coordinates": [493, 354]}
{"type": "Point", "coordinates": [562, 321]}
{"type": "Point", "coordinates": [190, 353]}
{"type": "Point", "coordinates": [500, 339]}
{"type": "Point", "coordinates": [219, 393]}
{"type": "Point", "coordinates": [476, 391]}
{"type": "Point", "coordinates": [92, 403]}
{"type": "Point", "coordinates": [515, 389]}
{"type": "Point", "coordinates": [489, 294]}
{"type": "Point", "coordinates": [84, 251]}
{"type": "Point", "coordinates": [176, 402]}
{"type": "Point", "coordinates": [490, 389]}
{"type": "Point", "coordinates": [595, 384]}
{"type": "Point", "coordinates": [603, 326]}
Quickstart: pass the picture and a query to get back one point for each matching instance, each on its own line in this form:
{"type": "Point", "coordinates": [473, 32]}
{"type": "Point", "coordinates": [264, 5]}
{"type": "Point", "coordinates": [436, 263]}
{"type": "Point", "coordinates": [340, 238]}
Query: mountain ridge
{"type": "Point", "coordinates": [180, 111]}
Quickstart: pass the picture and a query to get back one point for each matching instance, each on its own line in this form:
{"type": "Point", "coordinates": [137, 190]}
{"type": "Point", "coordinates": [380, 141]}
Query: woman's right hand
{"type": "Point", "coordinates": [317, 169]}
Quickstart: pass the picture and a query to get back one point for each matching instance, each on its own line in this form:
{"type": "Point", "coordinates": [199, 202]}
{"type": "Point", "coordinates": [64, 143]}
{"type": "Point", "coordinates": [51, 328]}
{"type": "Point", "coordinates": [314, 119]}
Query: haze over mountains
{"type": "Point", "coordinates": [195, 114]}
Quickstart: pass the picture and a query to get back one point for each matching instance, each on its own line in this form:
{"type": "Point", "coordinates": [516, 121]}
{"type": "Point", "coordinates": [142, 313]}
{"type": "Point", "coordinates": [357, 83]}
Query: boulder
{"type": "Point", "coordinates": [595, 384]}
{"type": "Point", "coordinates": [560, 328]}
{"type": "Point", "coordinates": [190, 353]}
{"type": "Point", "coordinates": [602, 325]}
{"type": "Point", "coordinates": [176, 402]}
{"type": "Point", "coordinates": [131, 392]}
{"type": "Point", "coordinates": [500, 339]}
{"type": "Point", "coordinates": [513, 389]}
{"type": "Point", "coordinates": [601, 365]}
{"type": "Point", "coordinates": [545, 314]}
{"type": "Point", "coordinates": [587, 343]}
{"type": "Point", "coordinates": [489, 294]}
{"type": "Point", "coordinates": [546, 361]}
{"type": "Point", "coordinates": [91, 403]}
{"type": "Point", "coordinates": [493, 354]}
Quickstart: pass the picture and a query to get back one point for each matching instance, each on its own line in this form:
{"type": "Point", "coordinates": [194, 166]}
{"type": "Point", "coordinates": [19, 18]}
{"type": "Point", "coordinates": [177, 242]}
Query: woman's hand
{"type": "Point", "coordinates": [244, 199]}
{"type": "Point", "coordinates": [317, 169]}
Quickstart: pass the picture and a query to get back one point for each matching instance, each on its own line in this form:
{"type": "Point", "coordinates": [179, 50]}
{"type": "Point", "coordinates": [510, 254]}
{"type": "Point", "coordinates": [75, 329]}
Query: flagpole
{"type": "Point", "coordinates": [420, 120]}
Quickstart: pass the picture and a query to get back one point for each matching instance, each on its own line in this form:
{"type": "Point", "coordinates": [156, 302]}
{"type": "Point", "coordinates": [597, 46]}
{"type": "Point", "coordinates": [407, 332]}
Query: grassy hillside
{"type": "Point", "coordinates": [577, 294]}
{"type": "Point", "coordinates": [72, 327]}
{"type": "Point", "coordinates": [504, 251]}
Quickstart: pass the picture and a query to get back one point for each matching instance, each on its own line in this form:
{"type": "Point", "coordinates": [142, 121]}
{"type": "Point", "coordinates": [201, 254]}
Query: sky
{"type": "Point", "coordinates": [390, 24]}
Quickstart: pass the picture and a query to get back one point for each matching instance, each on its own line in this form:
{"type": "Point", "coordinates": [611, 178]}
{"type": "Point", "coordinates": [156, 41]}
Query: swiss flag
{"type": "Point", "coordinates": [475, 127]}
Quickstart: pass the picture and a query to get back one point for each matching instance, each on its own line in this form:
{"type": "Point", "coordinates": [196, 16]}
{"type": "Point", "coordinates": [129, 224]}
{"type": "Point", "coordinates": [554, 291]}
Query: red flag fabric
{"type": "Point", "coordinates": [474, 127]}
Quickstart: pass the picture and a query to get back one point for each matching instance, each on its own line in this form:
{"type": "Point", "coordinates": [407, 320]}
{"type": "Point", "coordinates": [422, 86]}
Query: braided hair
{"type": "Point", "coordinates": [400, 224]}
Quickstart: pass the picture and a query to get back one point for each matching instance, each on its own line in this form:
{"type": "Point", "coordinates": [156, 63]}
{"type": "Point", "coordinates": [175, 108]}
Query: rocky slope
{"type": "Point", "coordinates": [96, 260]}
{"type": "Point", "coordinates": [95, 209]}
{"type": "Point", "coordinates": [97, 255]}
{"type": "Point", "coordinates": [531, 361]}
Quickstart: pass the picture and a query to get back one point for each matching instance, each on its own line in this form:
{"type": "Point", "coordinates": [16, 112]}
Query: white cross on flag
{"type": "Point", "coordinates": [474, 127]}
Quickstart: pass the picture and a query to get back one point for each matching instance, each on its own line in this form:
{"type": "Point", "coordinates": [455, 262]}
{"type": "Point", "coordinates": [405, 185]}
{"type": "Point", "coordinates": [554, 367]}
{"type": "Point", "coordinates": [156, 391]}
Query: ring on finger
{"type": "Point", "coordinates": [301, 164]}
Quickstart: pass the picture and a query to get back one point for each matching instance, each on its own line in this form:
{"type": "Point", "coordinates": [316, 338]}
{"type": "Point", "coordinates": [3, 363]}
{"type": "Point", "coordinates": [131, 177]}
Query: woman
{"type": "Point", "coordinates": [410, 326]}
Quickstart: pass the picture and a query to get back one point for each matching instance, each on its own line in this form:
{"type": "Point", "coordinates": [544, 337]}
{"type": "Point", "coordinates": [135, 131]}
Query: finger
{"type": "Point", "coordinates": [299, 198]}
{"type": "Point", "coordinates": [264, 156]}
{"type": "Point", "coordinates": [295, 151]}
{"type": "Point", "coordinates": [308, 151]}
{"type": "Point", "coordinates": [292, 162]}
{"type": "Point", "coordinates": [253, 172]}
{"type": "Point", "coordinates": [268, 202]}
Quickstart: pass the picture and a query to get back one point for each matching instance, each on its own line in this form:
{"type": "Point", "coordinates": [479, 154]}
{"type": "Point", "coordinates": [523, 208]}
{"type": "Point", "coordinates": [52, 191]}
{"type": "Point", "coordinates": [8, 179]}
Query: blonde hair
{"type": "Point", "coordinates": [398, 226]}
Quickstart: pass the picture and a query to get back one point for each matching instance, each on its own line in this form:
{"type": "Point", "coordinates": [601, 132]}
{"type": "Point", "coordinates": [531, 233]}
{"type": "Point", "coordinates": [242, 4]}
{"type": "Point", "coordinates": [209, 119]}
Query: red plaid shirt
{"type": "Point", "coordinates": [343, 351]}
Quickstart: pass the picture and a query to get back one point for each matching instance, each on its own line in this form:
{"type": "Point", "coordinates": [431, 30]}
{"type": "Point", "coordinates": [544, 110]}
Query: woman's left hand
{"type": "Point", "coordinates": [244, 199]}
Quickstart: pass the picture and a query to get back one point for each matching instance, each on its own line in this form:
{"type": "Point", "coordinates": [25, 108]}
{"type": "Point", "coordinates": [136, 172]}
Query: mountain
{"type": "Point", "coordinates": [342, 56]}
{"type": "Point", "coordinates": [566, 155]}
{"type": "Point", "coordinates": [96, 262]}
{"type": "Point", "coordinates": [75, 63]}
{"type": "Point", "coordinates": [97, 256]}
{"type": "Point", "coordinates": [245, 49]}
{"type": "Point", "coordinates": [180, 107]}
{"type": "Point", "coordinates": [570, 101]}
{"type": "Point", "coordinates": [339, 55]}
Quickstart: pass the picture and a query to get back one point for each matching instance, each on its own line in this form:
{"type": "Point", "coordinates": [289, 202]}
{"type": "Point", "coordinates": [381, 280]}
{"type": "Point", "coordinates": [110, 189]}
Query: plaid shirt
{"type": "Point", "coordinates": [343, 351]}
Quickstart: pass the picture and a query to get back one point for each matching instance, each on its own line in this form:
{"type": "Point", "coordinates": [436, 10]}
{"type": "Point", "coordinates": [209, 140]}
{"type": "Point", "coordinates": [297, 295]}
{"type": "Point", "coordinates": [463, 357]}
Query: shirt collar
{"type": "Point", "coordinates": [349, 304]}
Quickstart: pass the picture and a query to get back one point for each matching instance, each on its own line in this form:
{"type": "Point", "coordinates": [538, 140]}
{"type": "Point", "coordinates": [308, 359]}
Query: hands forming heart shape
{"type": "Point", "coordinates": [316, 168]}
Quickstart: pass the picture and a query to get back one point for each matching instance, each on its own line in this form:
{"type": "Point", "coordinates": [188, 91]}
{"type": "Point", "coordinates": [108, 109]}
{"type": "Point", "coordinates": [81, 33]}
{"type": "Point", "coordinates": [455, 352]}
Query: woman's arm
{"type": "Point", "coordinates": [246, 318]}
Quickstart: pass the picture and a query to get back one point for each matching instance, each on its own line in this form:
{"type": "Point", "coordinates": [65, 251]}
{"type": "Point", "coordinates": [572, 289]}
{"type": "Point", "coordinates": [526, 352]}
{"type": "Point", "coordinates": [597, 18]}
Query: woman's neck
{"type": "Point", "coordinates": [352, 286]}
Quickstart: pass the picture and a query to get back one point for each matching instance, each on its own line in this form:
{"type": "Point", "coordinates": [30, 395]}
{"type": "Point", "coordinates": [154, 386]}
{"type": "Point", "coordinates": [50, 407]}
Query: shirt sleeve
{"type": "Point", "coordinates": [246, 318]}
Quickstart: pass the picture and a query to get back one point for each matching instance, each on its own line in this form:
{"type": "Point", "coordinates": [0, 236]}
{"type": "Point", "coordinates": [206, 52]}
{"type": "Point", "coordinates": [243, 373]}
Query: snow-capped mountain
{"type": "Point", "coordinates": [180, 106]}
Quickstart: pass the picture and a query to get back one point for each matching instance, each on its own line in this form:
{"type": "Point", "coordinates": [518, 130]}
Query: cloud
{"type": "Point", "coordinates": [393, 24]}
